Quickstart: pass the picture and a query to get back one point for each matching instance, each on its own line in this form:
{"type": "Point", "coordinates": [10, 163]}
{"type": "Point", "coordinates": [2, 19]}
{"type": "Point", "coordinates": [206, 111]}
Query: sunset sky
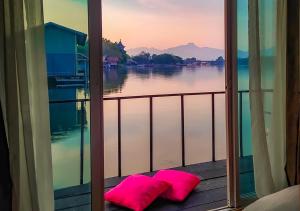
{"type": "Point", "coordinates": [148, 23]}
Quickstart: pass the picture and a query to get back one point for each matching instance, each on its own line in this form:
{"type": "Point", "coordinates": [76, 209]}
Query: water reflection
{"type": "Point", "coordinates": [66, 119]}
{"type": "Point", "coordinates": [65, 116]}
{"type": "Point", "coordinates": [114, 79]}
{"type": "Point", "coordinates": [165, 72]}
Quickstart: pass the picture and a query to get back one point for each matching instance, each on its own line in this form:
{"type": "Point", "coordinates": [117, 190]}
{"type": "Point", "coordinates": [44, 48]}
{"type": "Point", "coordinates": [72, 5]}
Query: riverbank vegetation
{"type": "Point", "coordinates": [114, 54]}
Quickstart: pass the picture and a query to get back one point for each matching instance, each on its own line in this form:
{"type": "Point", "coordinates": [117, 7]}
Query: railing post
{"type": "Point", "coordinates": [81, 140]}
{"type": "Point", "coordinates": [182, 130]}
{"type": "Point", "coordinates": [213, 127]}
{"type": "Point", "coordinates": [241, 124]}
{"type": "Point", "coordinates": [151, 133]}
{"type": "Point", "coordinates": [119, 139]}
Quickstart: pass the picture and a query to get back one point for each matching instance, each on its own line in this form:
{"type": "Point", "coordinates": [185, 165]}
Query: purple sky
{"type": "Point", "coordinates": [148, 23]}
{"type": "Point", "coordinates": [164, 23]}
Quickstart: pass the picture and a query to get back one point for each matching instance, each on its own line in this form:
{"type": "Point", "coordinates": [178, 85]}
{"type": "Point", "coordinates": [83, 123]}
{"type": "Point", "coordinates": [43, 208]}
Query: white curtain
{"type": "Point", "coordinates": [24, 99]}
{"type": "Point", "coordinates": [267, 68]}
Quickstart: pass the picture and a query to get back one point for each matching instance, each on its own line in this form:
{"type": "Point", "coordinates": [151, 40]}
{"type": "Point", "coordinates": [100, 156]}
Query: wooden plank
{"type": "Point", "coordinates": [212, 188]}
{"type": "Point", "coordinates": [206, 171]}
{"type": "Point", "coordinates": [194, 168]}
{"type": "Point", "coordinates": [207, 184]}
{"type": "Point", "coordinates": [79, 200]}
{"type": "Point", "coordinates": [194, 200]}
{"type": "Point", "coordinates": [205, 197]}
{"type": "Point", "coordinates": [72, 202]}
{"type": "Point", "coordinates": [209, 206]}
{"type": "Point", "coordinates": [211, 184]}
{"type": "Point", "coordinates": [80, 208]}
{"type": "Point", "coordinates": [72, 191]}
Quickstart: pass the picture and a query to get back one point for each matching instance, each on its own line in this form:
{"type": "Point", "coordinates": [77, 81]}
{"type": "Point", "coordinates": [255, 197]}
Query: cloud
{"type": "Point", "coordinates": [170, 6]}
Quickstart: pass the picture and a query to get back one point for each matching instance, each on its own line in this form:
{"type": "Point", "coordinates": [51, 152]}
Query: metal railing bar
{"type": "Point", "coordinates": [213, 127]}
{"type": "Point", "coordinates": [182, 130]}
{"type": "Point", "coordinates": [81, 140]}
{"type": "Point", "coordinates": [147, 96]}
{"type": "Point", "coordinates": [181, 95]}
{"type": "Point", "coordinates": [69, 101]}
{"type": "Point", "coordinates": [163, 95]}
{"type": "Point", "coordinates": [151, 132]}
{"type": "Point", "coordinates": [119, 140]}
{"type": "Point", "coordinates": [241, 124]}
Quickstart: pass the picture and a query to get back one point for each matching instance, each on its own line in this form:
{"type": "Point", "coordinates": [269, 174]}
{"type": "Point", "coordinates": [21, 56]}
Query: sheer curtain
{"type": "Point", "coordinates": [267, 69]}
{"type": "Point", "coordinates": [24, 100]}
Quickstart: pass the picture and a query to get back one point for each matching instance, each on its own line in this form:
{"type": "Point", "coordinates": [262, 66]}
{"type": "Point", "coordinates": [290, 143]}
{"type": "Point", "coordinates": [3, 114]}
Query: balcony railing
{"type": "Point", "coordinates": [182, 118]}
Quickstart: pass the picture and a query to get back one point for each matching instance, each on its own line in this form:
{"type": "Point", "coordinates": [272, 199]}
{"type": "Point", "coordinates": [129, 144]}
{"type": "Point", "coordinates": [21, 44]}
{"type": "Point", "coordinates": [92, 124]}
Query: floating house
{"type": "Point", "coordinates": [111, 62]}
{"type": "Point", "coordinates": [63, 59]}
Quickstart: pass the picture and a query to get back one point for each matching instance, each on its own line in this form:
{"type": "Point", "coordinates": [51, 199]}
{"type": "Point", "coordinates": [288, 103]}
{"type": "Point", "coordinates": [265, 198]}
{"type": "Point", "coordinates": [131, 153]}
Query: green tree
{"type": "Point", "coordinates": [109, 49]}
{"type": "Point", "coordinates": [166, 59]}
{"type": "Point", "coordinates": [142, 58]}
{"type": "Point", "coordinates": [112, 49]}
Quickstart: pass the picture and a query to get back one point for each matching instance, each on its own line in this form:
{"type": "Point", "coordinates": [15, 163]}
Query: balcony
{"type": "Point", "coordinates": [211, 193]}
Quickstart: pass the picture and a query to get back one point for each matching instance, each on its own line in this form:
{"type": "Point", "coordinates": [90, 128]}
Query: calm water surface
{"type": "Point", "coordinates": [65, 121]}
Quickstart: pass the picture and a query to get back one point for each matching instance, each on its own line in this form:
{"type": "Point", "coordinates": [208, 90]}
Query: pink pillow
{"type": "Point", "coordinates": [136, 192]}
{"type": "Point", "coordinates": [182, 184]}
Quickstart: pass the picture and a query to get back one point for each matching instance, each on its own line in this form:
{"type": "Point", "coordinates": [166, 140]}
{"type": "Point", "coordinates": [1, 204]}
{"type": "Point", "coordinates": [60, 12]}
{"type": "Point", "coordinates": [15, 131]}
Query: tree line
{"type": "Point", "coordinates": [164, 59]}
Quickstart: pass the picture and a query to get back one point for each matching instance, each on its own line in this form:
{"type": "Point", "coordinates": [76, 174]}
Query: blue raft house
{"type": "Point", "coordinates": [66, 64]}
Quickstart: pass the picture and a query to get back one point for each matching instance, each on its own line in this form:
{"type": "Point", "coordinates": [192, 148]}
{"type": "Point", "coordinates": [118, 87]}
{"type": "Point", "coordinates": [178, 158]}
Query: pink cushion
{"type": "Point", "coordinates": [136, 192]}
{"type": "Point", "coordinates": [182, 184]}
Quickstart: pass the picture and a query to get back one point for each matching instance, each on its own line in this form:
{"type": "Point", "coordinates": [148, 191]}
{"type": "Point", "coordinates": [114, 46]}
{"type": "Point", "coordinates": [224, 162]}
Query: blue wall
{"type": "Point", "coordinates": [63, 116]}
{"type": "Point", "coordinates": [60, 51]}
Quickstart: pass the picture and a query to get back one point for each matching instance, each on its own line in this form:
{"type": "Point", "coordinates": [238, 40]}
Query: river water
{"type": "Point", "coordinates": [66, 118]}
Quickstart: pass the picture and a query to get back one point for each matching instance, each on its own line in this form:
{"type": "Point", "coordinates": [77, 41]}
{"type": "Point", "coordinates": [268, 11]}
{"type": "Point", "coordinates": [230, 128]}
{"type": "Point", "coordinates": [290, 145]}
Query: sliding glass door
{"type": "Point", "coordinates": [244, 120]}
{"type": "Point", "coordinates": [73, 35]}
{"type": "Point", "coordinates": [74, 66]}
{"type": "Point", "coordinates": [261, 71]}
{"type": "Point", "coordinates": [67, 43]}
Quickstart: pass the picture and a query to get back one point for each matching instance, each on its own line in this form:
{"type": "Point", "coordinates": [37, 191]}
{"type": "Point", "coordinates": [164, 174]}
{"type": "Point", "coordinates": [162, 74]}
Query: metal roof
{"type": "Point", "coordinates": [80, 36]}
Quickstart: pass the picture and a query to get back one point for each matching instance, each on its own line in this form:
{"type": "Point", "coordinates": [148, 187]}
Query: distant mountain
{"type": "Point", "coordinates": [187, 51]}
{"type": "Point", "coordinates": [136, 51]}
{"type": "Point", "coordinates": [191, 50]}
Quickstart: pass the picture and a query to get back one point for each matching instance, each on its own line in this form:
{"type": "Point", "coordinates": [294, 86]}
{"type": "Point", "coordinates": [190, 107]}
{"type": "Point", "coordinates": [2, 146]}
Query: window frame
{"type": "Point", "coordinates": [96, 96]}
{"type": "Point", "coordinates": [231, 89]}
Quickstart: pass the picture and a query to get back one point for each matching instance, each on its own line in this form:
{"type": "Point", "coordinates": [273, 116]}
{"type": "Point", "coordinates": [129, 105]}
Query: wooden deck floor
{"type": "Point", "coordinates": [210, 193]}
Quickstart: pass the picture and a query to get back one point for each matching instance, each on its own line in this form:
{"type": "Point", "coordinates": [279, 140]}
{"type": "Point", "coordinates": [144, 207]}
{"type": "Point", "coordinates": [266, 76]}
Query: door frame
{"type": "Point", "coordinates": [231, 89]}
{"type": "Point", "coordinates": [96, 92]}
{"type": "Point", "coordinates": [96, 96]}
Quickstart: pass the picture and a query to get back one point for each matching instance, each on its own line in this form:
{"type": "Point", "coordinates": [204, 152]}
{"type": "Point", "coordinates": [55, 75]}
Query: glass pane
{"type": "Point", "coordinates": [267, 27]}
{"type": "Point", "coordinates": [66, 38]}
{"type": "Point", "coordinates": [246, 165]}
{"type": "Point", "coordinates": [155, 54]}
